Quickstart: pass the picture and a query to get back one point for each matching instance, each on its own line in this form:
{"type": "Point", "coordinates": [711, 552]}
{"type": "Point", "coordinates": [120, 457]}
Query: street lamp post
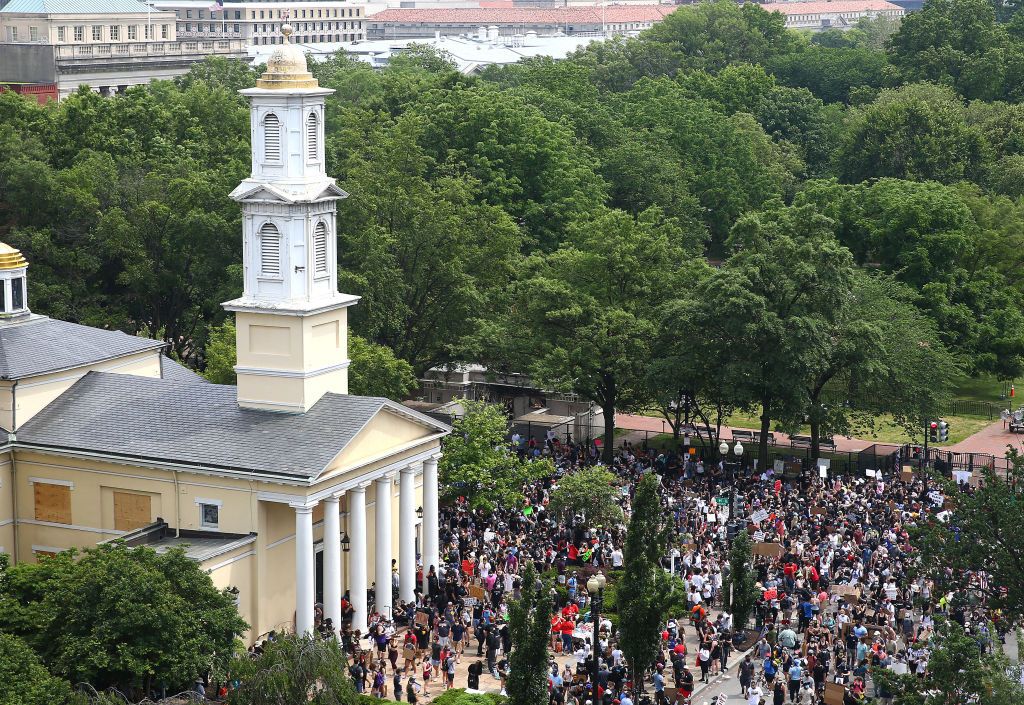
{"type": "Point", "coordinates": [723, 449]}
{"type": "Point", "coordinates": [595, 586]}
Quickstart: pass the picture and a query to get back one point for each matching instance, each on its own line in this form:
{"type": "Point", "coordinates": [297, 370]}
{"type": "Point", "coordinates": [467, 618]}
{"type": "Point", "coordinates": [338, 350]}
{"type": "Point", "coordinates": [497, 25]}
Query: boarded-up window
{"type": "Point", "coordinates": [53, 502]}
{"type": "Point", "coordinates": [131, 511]}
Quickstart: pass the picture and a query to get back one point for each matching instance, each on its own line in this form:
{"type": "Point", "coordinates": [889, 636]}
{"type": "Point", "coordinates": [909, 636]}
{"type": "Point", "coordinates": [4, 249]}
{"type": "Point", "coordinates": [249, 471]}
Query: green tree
{"type": "Point", "coordinates": [959, 671]}
{"type": "Point", "coordinates": [119, 616]}
{"type": "Point", "coordinates": [916, 132]}
{"type": "Point", "coordinates": [477, 463]}
{"type": "Point", "coordinates": [423, 254]}
{"type": "Point", "coordinates": [592, 492]}
{"type": "Point", "coordinates": [743, 592]}
{"type": "Point", "coordinates": [23, 678]}
{"type": "Point", "coordinates": [993, 510]}
{"type": "Point", "coordinates": [651, 591]}
{"type": "Point", "coordinates": [294, 669]}
{"type": "Point", "coordinates": [587, 306]}
{"type": "Point", "coordinates": [221, 354]}
{"type": "Point", "coordinates": [529, 625]}
{"type": "Point", "coordinates": [959, 43]}
{"type": "Point", "coordinates": [376, 371]}
{"type": "Point", "coordinates": [777, 294]}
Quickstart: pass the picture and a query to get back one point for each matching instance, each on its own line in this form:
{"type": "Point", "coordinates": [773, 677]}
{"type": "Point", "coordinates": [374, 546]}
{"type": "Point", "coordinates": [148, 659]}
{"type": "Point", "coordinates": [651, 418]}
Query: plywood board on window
{"type": "Point", "coordinates": [53, 502]}
{"type": "Point", "coordinates": [132, 511]}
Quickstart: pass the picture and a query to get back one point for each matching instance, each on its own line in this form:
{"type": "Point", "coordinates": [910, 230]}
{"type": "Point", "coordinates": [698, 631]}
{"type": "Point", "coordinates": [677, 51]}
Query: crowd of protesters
{"type": "Point", "coordinates": [832, 561]}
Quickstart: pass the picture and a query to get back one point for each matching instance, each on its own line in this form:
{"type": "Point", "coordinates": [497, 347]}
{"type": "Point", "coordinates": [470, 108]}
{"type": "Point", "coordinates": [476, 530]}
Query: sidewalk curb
{"type": "Point", "coordinates": [718, 679]}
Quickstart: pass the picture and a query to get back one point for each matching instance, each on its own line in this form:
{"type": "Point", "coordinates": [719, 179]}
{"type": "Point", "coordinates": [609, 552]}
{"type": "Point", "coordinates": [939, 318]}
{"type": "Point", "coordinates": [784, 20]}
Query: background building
{"type": "Point", "coordinates": [570, 21]}
{"type": "Point", "coordinates": [841, 14]}
{"type": "Point", "coordinates": [259, 23]}
{"type": "Point", "coordinates": [107, 45]}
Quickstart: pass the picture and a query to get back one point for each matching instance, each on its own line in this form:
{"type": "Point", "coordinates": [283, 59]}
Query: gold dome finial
{"type": "Point", "coordinates": [11, 258]}
{"type": "Point", "coordinates": [286, 67]}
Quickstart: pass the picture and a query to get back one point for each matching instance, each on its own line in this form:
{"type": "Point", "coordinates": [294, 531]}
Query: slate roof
{"type": "Point", "coordinates": [177, 372]}
{"type": "Point", "coordinates": [76, 7]}
{"type": "Point", "coordinates": [200, 424]}
{"type": "Point", "coordinates": [41, 345]}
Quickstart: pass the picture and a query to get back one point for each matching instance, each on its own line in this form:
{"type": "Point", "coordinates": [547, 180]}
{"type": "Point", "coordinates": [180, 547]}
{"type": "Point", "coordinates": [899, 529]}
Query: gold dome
{"type": "Point", "coordinates": [286, 67]}
{"type": "Point", "coordinates": [11, 258]}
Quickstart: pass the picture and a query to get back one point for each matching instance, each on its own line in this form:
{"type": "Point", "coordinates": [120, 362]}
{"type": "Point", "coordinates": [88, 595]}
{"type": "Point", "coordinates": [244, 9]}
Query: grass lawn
{"type": "Point", "coordinates": [884, 430]}
{"type": "Point", "coordinates": [984, 388]}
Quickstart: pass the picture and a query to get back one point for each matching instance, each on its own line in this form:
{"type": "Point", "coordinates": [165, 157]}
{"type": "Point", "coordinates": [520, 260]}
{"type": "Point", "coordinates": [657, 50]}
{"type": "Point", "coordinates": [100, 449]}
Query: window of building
{"type": "Point", "coordinates": [62, 34]}
{"type": "Point", "coordinates": [312, 136]}
{"type": "Point", "coordinates": [115, 33]}
{"type": "Point", "coordinates": [97, 33]}
{"type": "Point", "coordinates": [320, 249]}
{"type": "Point", "coordinates": [132, 511]}
{"type": "Point", "coordinates": [79, 33]}
{"type": "Point", "coordinates": [12, 34]}
{"type": "Point", "coordinates": [165, 31]}
{"type": "Point", "coordinates": [271, 138]}
{"type": "Point", "coordinates": [149, 31]}
{"type": "Point", "coordinates": [261, 15]}
{"type": "Point", "coordinates": [133, 32]}
{"type": "Point", "coordinates": [33, 34]}
{"type": "Point", "coordinates": [52, 501]}
{"type": "Point", "coordinates": [236, 28]}
{"type": "Point", "coordinates": [18, 294]}
{"type": "Point", "coordinates": [188, 14]}
{"type": "Point", "coordinates": [270, 250]}
{"type": "Point", "coordinates": [209, 513]}
{"type": "Point", "coordinates": [200, 15]}
{"type": "Point", "coordinates": [238, 15]}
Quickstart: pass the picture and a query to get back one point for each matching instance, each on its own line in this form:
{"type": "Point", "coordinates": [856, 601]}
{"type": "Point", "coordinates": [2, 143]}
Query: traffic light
{"type": "Point", "coordinates": [933, 431]}
{"type": "Point", "coordinates": [943, 431]}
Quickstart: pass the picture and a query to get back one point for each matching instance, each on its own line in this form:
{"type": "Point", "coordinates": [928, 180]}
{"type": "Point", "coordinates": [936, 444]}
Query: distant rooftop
{"type": "Point", "coordinates": [837, 7]}
{"type": "Point", "coordinates": [527, 15]}
{"type": "Point", "coordinates": [76, 7]}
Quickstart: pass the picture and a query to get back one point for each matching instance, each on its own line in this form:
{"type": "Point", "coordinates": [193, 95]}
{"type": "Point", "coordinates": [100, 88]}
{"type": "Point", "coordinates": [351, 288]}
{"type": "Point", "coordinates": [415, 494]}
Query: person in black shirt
{"type": "Point", "coordinates": [473, 679]}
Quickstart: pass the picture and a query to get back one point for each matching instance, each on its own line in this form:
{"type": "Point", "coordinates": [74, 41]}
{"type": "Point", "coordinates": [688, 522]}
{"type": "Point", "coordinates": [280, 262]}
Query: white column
{"type": "Point", "coordinates": [382, 542]}
{"type": "Point", "coordinates": [357, 560]}
{"type": "Point", "coordinates": [332, 562]}
{"type": "Point", "coordinates": [407, 535]}
{"type": "Point", "coordinates": [304, 573]}
{"type": "Point", "coordinates": [431, 555]}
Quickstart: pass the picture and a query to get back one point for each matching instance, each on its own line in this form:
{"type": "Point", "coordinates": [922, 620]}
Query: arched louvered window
{"type": "Point", "coordinates": [320, 249]}
{"type": "Point", "coordinates": [312, 137]}
{"type": "Point", "coordinates": [271, 138]}
{"type": "Point", "coordinates": [270, 250]}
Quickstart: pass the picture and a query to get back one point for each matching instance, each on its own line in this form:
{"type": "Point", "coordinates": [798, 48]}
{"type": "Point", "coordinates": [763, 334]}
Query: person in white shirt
{"type": "Point", "coordinates": [617, 558]}
{"type": "Point", "coordinates": [754, 694]}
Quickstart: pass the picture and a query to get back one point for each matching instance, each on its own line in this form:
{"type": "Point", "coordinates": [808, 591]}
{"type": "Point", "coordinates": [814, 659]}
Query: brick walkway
{"type": "Point", "coordinates": [992, 439]}
{"type": "Point", "coordinates": [652, 425]}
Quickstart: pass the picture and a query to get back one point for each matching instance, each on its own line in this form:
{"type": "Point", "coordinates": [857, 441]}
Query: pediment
{"type": "Point", "coordinates": [389, 432]}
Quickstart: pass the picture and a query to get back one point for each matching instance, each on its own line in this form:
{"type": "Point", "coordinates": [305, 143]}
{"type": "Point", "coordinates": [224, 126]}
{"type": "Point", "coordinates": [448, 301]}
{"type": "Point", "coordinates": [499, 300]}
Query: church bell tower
{"type": "Point", "coordinates": [291, 321]}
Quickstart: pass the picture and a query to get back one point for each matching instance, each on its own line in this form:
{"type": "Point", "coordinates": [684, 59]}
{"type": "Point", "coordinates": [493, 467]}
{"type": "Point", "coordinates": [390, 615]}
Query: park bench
{"type": "Point", "coordinates": [739, 434]}
{"type": "Point", "coordinates": [824, 443]}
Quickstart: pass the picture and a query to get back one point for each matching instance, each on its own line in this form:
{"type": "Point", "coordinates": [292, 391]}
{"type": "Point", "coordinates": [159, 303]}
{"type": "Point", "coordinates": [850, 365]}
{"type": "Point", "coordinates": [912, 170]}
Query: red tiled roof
{"type": "Point", "coordinates": [525, 15]}
{"type": "Point", "coordinates": [818, 8]}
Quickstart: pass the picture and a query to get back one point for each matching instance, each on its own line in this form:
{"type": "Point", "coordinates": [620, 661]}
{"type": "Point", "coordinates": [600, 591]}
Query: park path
{"type": "Point", "coordinates": [650, 425]}
{"type": "Point", "coordinates": [993, 440]}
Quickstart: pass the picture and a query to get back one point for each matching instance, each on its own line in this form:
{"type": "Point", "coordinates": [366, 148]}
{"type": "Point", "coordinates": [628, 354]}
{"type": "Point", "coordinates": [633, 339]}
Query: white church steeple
{"type": "Point", "coordinates": [291, 319]}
